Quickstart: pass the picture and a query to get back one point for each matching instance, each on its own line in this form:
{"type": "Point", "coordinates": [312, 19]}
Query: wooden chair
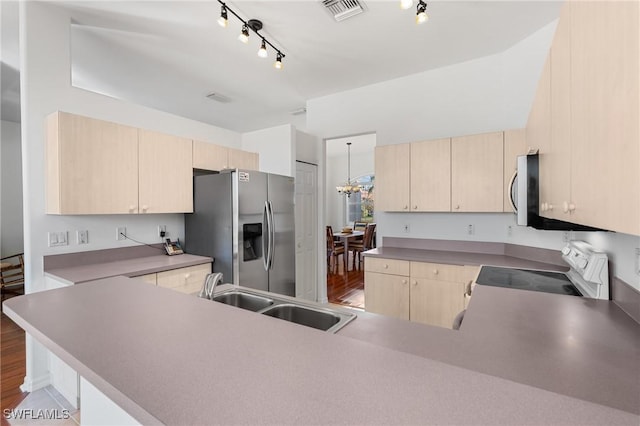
{"type": "Point", "coordinates": [334, 250]}
{"type": "Point", "coordinates": [366, 244]}
{"type": "Point", "coordinates": [359, 226]}
{"type": "Point", "coordinates": [12, 275]}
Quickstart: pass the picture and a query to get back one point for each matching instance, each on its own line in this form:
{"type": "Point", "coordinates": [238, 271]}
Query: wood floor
{"type": "Point", "coordinates": [346, 290]}
{"type": "Point", "coordinates": [12, 363]}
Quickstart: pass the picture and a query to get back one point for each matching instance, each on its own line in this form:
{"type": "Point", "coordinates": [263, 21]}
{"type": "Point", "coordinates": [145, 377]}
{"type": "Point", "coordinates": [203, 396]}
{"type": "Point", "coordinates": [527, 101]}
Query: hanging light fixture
{"type": "Point", "coordinates": [406, 4]}
{"type": "Point", "coordinates": [421, 13]}
{"type": "Point", "coordinates": [254, 25]}
{"type": "Point", "coordinates": [348, 188]}
{"type": "Point", "coordinates": [222, 20]}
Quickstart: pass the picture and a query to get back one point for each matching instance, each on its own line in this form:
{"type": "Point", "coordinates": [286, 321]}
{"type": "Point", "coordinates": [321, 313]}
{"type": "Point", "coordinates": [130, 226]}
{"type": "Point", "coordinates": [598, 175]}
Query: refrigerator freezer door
{"type": "Point", "coordinates": [282, 272]}
{"type": "Point", "coordinates": [252, 195]}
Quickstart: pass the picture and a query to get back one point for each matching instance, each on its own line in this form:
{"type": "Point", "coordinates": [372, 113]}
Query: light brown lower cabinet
{"type": "Point", "coordinates": [431, 293]}
{"type": "Point", "coordinates": [185, 280]}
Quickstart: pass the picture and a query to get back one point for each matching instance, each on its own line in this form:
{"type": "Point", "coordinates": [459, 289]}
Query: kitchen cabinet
{"type": "Point", "coordinates": [91, 166]}
{"type": "Point", "coordinates": [515, 144]}
{"type": "Point", "coordinates": [430, 183]}
{"type": "Point", "coordinates": [585, 118]}
{"type": "Point", "coordinates": [386, 289]}
{"type": "Point", "coordinates": [208, 156]}
{"type": "Point", "coordinates": [477, 173]}
{"type": "Point", "coordinates": [165, 179]}
{"type": "Point", "coordinates": [392, 169]}
{"type": "Point", "coordinates": [423, 292]}
{"type": "Point", "coordinates": [185, 280]}
{"type": "Point", "coordinates": [149, 278]}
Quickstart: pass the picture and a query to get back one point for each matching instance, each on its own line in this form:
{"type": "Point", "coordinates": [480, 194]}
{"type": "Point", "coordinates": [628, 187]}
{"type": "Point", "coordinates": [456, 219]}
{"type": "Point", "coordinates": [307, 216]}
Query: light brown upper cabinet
{"type": "Point", "coordinates": [165, 181]}
{"type": "Point", "coordinates": [208, 156]}
{"type": "Point", "coordinates": [392, 177]}
{"type": "Point", "coordinates": [477, 173]}
{"type": "Point", "coordinates": [589, 139]}
{"type": "Point", "coordinates": [99, 167]}
{"type": "Point", "coordinates": [515, 144]}
{"type": "Point", "coordinates": [92, 166]}
{"type": "Point", "coordinates": [430, 176]}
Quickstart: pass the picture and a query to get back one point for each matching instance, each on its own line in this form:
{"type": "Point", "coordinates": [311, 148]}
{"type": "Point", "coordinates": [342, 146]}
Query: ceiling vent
{"type": "Point", "coordinates": [218, 97]}
{"type": "Point", "coordinates": [299, 111]}
{"type": "Point", "coordinates": [343, 9]}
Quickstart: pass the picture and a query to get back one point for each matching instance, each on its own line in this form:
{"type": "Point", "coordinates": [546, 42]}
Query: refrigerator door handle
{"type": "Point", "coordinates": [266, 236]}
{"type": "Point", "coordinates": [272, 236]}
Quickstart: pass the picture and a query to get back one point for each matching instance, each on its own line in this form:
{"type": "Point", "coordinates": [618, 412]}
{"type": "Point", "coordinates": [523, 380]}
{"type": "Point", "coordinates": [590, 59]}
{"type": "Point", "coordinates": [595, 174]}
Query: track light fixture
{"type": "Point", "coordinates": [421, 13]}
{"type": "Point", "coordinates": [406, 4]}
{"type": "Point", "coordinates": [254, 25]}
{"type": "Point", "coordinates": [222, 20]}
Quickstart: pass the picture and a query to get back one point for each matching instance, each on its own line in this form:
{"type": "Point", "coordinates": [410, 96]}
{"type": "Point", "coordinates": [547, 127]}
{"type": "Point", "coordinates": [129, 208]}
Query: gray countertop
{"type": "Point", "coordinates": [201, 362]}
{"type": "Point", "coordinates": [460, 258]}
{"type": "Point", "coordinates": [130, 267]}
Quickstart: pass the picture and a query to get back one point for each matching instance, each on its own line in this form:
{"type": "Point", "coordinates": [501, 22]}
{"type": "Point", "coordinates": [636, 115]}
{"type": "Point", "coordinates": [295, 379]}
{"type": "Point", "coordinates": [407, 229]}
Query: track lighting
{"type": "Point", "coordinates": [254, 25]}
{"type": "Point", "coordinates": [406, 4]}
{"type": "Point", "coordinates": [244, 35]}
{"type": "Point", "coordinates": [278, 63]}
{"type": "Point", "coordinates": [222, 20]}
{"type": "Point", "coordinates": [421, 13]}
{"type": "Point", "coordinates": [262, 52]}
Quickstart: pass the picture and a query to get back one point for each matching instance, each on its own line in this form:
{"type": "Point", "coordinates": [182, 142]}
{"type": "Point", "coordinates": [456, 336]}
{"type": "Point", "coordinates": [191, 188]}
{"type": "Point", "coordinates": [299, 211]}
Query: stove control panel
{"type": "Point", "coordinates": [589, 266]}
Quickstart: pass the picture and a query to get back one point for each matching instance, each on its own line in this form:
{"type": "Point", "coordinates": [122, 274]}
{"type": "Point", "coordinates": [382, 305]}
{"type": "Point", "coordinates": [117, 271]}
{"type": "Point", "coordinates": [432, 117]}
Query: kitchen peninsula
{"type": "Point", "coordinates": [169, 358]}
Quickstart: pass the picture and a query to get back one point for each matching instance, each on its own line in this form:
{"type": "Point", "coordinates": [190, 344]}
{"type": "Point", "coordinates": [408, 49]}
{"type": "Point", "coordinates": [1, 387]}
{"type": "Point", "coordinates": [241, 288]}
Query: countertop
{"type": "Point", "coordinates": [202, 362]}
{"type": "Point", "coordinates": [129, 267]}
{"type": "Point", "coordinates": [460, 258]}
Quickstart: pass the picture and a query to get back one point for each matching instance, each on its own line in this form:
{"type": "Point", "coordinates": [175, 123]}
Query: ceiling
{"type": "Point", "coordinates": [360, 144]}
{"type": "Point", "coordinates": [169, 55]}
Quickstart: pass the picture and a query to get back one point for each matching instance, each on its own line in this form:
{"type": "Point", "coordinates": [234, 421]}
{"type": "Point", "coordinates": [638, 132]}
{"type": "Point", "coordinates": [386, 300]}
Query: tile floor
{"type": "Point", "coordinates": [45, 407]}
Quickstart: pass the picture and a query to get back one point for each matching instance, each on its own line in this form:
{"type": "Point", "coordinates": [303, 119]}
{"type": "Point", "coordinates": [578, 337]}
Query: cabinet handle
{"type": "Point", "coordinates": [131, 208]}
{"type": "Point", "coordinates": [549, 206]}
{"type": "Point", "coordinates": [145, 207]}
{"type": "Point", "coordinates": [385, 266]}
{"type": "Point", "coordinates": [457, 207]}
{"type": "Point", "coordinates": [415, 207]}
{"type": "Point", "coordinates": [572, 207]}
{"type": "Point", "coordinates": [404, 281]}
{"type": "Point", "coordinates": [435, 272]}
{"type": "Point", "coordinates": [405, 207]}
{"type": "Point", "coordinates": [543, 207]}
{"type": "Point", "coordinates": [415, 282]}
{"type": "Point", "coordinates": [186, 276]}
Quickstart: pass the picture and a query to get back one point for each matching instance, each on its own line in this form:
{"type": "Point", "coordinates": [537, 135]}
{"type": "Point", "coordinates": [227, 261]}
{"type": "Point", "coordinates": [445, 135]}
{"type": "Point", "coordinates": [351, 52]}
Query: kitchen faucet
{"type": "Point", "coordinates": [210, 283]}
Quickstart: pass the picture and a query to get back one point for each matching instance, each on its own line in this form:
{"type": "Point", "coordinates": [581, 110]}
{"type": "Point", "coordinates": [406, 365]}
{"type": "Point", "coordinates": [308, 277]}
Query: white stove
{"type": "Point", "coordinates": [588, 276]}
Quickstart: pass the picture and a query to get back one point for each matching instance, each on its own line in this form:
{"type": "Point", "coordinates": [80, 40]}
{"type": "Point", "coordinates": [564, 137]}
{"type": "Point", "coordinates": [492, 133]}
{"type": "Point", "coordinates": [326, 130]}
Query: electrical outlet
{"type": "Point", "coordinates": [82, 237]}
{"type": "Point", "coordinates": [121, 233]}
{"type": "Point", "coordinates": [566, 236]}
{"type": "Point", "coordinates": [406, 228]}
{"type": "Point", "coordinates": [638, 261]}
{"type": "Point", "coordinates": [162, 231]}
{"type": "Point", "coordinates": [471, 229]}
{"type": "Point", "coordinates": [58, 239]}
{"type": "Point", "coordinates": [509, 231]}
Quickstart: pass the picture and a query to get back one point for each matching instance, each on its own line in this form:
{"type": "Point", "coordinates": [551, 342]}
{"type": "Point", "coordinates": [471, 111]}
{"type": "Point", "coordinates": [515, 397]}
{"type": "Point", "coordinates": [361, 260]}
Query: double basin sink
{"type": "Point", "coordinates": [320, 318]}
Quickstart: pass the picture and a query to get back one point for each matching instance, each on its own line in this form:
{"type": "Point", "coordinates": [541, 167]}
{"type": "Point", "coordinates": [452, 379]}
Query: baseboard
{"type": "Point", "coordinates": [33, 384]}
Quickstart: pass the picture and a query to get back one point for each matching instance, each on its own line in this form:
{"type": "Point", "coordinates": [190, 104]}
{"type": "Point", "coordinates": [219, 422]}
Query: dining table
{"type": "Point", "coordinates": [346, 237]}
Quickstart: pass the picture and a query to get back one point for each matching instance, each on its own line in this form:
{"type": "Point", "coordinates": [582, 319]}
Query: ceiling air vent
{"type": "Point", "coordinates": [343, 9]}
{"type": "Point", "coordinates": [214, 96]}
{"type": "Point", "coordinates": [299, 111]}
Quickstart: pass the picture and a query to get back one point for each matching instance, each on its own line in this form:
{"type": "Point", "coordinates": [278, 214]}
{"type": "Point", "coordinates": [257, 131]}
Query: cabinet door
{"type": "Point", "coordinates": [431, 176]}
{"type": "Point", "coordinates": [556, 169]}
{"type": "Point", "coordinates": [185, 280]}
{"type": "Point", "coordinates": [515, 144]}
{"type": "Point", "coordinates": [149, 278]}
{"type": "Point", "coordinates": [92, 166]}
{"type": "Point", "coordinates": [605, 152]}
{"type": "Point", "coordinates": [436, 302]}
{"type": "Point", "coordinates": [476, 173]}
{"type": "Point", "coordinates": [208, 156]}
{"type": "Point", "coordinates": [386, 294]}
{"type": "Point", "coordinates": [165, 173]}
{"type": "Point", "coordinates": [392, 177]}
{"type": "Point", "coordinates": [239, 159]}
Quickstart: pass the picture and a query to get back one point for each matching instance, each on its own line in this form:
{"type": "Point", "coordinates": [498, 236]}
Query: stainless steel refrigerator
{"type": "Point", "coordinates": [245, 220]}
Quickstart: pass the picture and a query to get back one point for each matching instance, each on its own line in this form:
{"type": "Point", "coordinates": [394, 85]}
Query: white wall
{"type": "Point", "coordinates": [276, 146]}
{"type": "Point", "coordinates": [487, 94]}
{"type": "Point", "coordinates": [307, 147]}
{"type": "Point", "coordinates": [11, 224]}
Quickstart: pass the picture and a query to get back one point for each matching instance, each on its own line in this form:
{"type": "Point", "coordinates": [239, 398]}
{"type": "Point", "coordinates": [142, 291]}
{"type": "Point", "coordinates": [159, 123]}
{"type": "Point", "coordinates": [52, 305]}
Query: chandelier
{"type": "Point", "coordinates": [348, 188]}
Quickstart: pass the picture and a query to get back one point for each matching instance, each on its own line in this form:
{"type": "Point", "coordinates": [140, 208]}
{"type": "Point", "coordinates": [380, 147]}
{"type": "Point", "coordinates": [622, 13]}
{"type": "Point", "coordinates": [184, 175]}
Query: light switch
{"type": "Point", "coordinates": [58, 239]}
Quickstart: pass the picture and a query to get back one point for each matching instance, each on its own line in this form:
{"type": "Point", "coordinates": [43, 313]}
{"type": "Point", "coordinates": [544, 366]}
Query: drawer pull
{"type": "Point", "coordinates": [415, 282]}
{"type": "Point", "coordinates": [404, 281]}
{"type": "Point", "coordinates": [385, 266]}
{"type": "Point", "coordinates": [435, 272]}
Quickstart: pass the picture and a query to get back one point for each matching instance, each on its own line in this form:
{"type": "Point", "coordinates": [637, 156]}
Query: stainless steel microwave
{"type": "Point", "coordinates": [524, 193]}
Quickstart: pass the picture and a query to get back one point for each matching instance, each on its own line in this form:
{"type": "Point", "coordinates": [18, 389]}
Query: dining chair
{"type": "Point", "coordinates": [366, 244]}
{"type": "Point", "coordinates": [12, 275]}
{"type": "Point", "coordinates": [359, 226]}
{"type": "Point", "coordinates": [334, 250]}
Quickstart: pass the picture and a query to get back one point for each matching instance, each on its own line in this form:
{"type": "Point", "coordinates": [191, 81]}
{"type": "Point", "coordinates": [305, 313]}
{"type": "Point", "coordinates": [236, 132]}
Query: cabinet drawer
{"type": "Point", "coordinates": [185, 280]}
{"type": "Point", "coordinates": [149, 278]}
{"type": "Point", "coordinates": [440, 272]}
{"type": "Point", "coordinates": [386, 266]}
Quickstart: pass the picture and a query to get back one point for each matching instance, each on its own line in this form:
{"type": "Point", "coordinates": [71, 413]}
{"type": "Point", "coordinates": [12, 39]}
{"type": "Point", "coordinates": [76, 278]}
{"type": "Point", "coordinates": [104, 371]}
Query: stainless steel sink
{"type": "Point", "coordinates": [250, 302]}
{"type": "Point", "coordinates": [286, 308]}
{"type": "Point", "coordinates": [322, 320]}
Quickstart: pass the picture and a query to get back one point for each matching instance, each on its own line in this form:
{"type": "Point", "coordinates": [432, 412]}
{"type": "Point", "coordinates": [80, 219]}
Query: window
{"type": "Point", "coordinates": [359, 206]}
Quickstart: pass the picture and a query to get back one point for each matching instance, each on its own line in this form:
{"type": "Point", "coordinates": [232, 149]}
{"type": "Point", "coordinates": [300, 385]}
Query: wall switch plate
{"type": "Point", "coordinates": [121, 233]}
{"type": "Point", "coordinates": [82, 237]}
{"type": "Point", "coordinates": [406, 228]}
{"type": "Point", "coordinates": [58, 239]}
{"type": "Point", "coordinates": [162, 231]}
{"type": "Point", "coordinates": [471, 229]}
